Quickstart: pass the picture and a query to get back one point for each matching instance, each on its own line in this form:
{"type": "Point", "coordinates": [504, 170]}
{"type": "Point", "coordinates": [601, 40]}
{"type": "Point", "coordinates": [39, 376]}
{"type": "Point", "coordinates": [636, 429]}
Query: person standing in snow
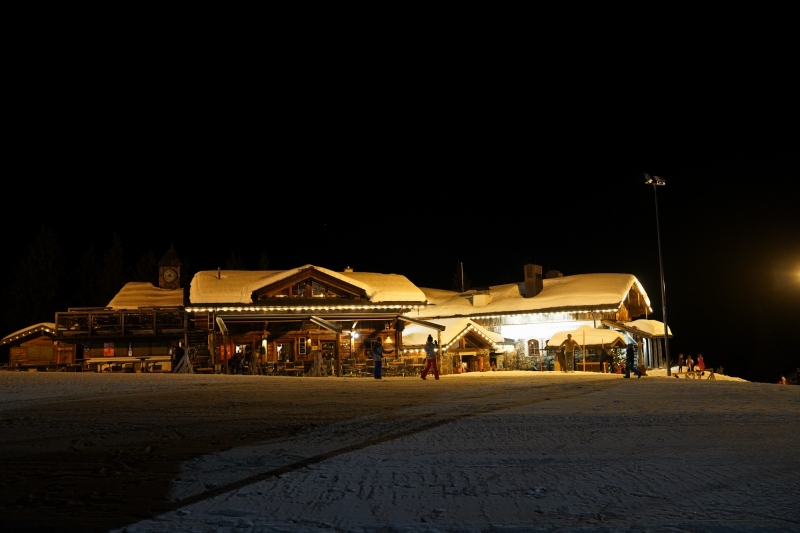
{"type": "Point", "coordinates": [630, 361]}
{"type": "Point", "coordinates": [377, 357]}
{"type": "Point", "coordinates": [701, 365]}
{"type": "Point", "coordinates": [605, 357]}
{"type": "Point", "coordinates": [430, 359]}
{"type": "Point", "coordinates": [569, 346]}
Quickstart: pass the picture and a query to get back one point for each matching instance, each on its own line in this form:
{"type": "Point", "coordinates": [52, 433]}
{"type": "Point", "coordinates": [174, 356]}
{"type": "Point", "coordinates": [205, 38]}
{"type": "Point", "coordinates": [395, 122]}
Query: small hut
{"type": "Point", "coordinates": [649, 335]}
{"type": "Point", "coordinates": [466, 345]}
{"type": "Point", "coordinates": [35, 348]}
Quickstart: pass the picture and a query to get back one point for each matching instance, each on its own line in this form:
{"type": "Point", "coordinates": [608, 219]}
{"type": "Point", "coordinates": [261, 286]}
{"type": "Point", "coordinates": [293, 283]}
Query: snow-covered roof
{"type": "Point", "coordinates": [654, 328]}
{"type": "Point", "coordinates": [417, 335]}
{"type": "Point", "coordinates": [46, 327]}
{"type": "Point", "coordinates": [143, 294]}
{"type": "Point", "coordinates": [588, 335]}
{"type": "Point", "coordinates": [568, 293]}
{"type": "Point", "coordinates": [237, 286]}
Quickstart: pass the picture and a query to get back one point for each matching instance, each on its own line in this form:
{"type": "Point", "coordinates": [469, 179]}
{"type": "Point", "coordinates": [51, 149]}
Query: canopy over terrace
{"type": "Point", "coordinates": [588, 336]}
{"type": "Point", "coordinates": [415, 335]}
{"type": "Point", "coordinates": [649, 335]}
{"type": "Point", "coordinates": [593, 342]}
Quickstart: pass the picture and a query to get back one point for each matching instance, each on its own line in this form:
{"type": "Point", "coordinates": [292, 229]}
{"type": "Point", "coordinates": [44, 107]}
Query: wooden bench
{"type": "Point", "coordinates": [698, 374]}
{"type": "Point", "coordinates": [591, 366]}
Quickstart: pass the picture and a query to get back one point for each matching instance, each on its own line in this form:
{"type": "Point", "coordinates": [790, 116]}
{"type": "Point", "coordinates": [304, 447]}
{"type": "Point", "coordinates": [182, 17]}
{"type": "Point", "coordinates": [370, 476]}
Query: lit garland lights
{"type": "Point", "coordinates": [256, 309]}
{"type": "Point", "coordinates": [455, 339]}
{"type": "Point", "coordinates": [467, 330]}
{"type": "Point", "coordinates": [641, 291]}
{"type": "Point", "coordinates": [26, 333]}
{"type": "Point", "coordinates": [544, 317]}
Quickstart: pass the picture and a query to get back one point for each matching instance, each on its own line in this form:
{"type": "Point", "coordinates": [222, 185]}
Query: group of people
{"type": "Point", "coordinates": [691, 365]}
{"type": "Point", "coordinates": [431, 348]}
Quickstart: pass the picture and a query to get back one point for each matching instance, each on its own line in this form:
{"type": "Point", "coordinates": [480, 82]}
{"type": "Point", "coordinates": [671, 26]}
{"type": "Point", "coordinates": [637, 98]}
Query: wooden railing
{"type": "Point", "coordinates": [108, 322]}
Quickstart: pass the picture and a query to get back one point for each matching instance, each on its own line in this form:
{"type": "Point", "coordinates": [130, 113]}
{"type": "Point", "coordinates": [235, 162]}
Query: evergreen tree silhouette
{"type": "Point", "coordinates": [89, 280]}
{"type": "Point", "coordinates": [146, 269]}
{"type": "Point", "coordinates": [114, 275]}
{"type": "Point", "coordinates": [33, 295]}
{"type": "Point", "coordinates": [234, 262]}
{"type": "Point", "coordinates": [263, 261]}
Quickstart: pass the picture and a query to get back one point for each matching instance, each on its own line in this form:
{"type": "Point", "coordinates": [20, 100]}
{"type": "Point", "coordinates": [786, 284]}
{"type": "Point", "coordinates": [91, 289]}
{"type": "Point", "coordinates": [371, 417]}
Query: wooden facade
{"type": "Point", "coordinates": [290, 345]}
{"type": "Point", "coordinates": [37, 349]}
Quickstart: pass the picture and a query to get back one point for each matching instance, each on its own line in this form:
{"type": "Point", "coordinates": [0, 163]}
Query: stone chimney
{"type": "Point", "coordinates": [533, 280]}
{"type": "Point", "coordinates": [554, 274]}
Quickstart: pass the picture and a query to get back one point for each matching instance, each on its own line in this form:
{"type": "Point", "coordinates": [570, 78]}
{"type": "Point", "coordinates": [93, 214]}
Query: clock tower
{"type": "Point", "coordinates": [169, 271]}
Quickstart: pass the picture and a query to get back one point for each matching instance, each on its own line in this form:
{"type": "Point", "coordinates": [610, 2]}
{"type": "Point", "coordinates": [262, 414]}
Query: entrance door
{"type": "Point", "coordinates": [535, 353]}
{"type": "Point", "coordinates": [285, 352]}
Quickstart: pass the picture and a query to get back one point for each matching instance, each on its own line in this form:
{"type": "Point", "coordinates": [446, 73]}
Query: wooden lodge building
{"type": "Point", "coordinates": [36, 348]}
{"type": "Point", "coordinates": [284, 321]}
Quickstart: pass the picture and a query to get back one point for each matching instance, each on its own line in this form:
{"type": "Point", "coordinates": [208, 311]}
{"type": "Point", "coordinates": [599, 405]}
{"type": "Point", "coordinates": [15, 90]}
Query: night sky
{"type": "Point", "coordinates": [412, 167]}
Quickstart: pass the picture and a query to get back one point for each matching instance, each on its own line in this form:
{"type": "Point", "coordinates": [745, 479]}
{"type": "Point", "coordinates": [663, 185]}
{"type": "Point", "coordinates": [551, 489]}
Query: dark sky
{"type": "Point", "coordinates": [419, 161]}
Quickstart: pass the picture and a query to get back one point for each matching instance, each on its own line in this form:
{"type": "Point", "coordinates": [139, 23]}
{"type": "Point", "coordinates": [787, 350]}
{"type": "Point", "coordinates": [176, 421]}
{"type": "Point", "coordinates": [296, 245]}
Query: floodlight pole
{"type": "Point", "coordinates": [656, 181]}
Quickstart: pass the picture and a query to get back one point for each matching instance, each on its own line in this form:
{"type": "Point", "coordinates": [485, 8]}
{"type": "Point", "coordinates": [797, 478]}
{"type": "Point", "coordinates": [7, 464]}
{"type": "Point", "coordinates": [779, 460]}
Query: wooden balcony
{"type": "Point", "coordinates": [104, 322]}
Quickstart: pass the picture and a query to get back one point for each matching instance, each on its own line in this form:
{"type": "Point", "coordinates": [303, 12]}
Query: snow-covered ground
{"type": "Point", "coordinates": [576, 452]}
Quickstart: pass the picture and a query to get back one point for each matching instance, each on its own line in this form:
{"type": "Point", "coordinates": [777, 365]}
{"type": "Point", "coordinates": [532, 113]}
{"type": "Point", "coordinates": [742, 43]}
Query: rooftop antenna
{"type": "Point", "coordinates": [462, 275]}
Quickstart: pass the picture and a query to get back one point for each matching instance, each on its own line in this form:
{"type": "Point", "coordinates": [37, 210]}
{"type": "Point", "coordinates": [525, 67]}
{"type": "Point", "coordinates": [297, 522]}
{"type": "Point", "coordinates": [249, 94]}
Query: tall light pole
{"type": "Point", "coordinates": [656, 181]}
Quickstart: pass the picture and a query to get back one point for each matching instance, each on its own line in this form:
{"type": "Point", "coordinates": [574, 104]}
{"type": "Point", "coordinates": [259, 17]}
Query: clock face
{"type": "Point", "coordinates": [170, 275]}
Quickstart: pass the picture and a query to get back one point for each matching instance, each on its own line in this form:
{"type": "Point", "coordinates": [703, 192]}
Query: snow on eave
{"type": "Point", "coordinates": [570, 294]}
{"type": "Point", "coordinates": [238, 286]}
{"type": "Point", "coordinates": [45, 327]}
{"type": "Point", "coordinates": [592, 336]}
{"type": "Point", "coordinates": [654, 328]}
{"type": "Point", "coordinates": [415, 335]}
{"type": "Point", "coordinates": [138, 294]}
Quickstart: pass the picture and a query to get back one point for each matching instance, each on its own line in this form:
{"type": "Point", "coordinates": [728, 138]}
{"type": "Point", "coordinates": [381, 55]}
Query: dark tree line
{"type": "Point", "coordinates": [43, 282]}
{"type": "Point", "coordinates": [235, 262]}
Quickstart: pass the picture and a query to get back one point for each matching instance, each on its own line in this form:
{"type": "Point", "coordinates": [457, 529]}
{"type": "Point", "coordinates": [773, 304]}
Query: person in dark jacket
{"type": "Point", "coordinates": [630, 361]}
{"type": "Point", "coordinates": [377, 357]}
{"type": "Point", "coordinates": [606, 357]}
